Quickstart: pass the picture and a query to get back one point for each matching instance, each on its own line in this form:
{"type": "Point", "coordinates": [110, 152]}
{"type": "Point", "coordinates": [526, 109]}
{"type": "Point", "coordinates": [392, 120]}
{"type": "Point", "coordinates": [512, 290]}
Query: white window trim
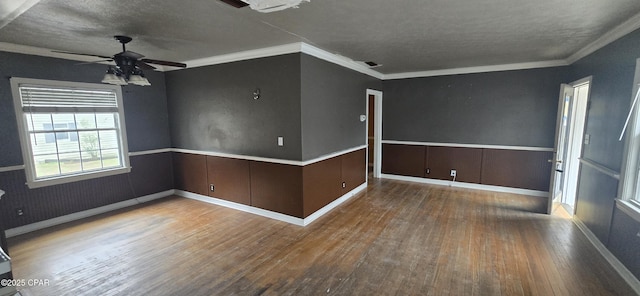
{"type": "Point", "coordinates": [631, 162]}
{"type": "Point", "coordinates": [32, 182]}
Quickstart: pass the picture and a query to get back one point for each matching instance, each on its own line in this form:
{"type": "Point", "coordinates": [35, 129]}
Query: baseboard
{"type": "Point", "coordinates": [242, 207]}
{"type": "Point", "coordinates": [321, 212]}
{"type": "Point", "coordinates": [270, 214]}
{"type": "Point", "coordinates": [85, 214]}
{"type": "Point", "coordinates": [615, 263]}
{"type": "Point", "coordinates": [468, 185]}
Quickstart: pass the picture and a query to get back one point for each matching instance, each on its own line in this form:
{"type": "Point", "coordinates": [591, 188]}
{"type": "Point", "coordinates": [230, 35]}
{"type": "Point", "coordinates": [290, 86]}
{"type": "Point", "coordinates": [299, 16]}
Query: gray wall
{"type": "Point", "coordinates": [333, 98]}
{"type": "Point", "coordinates": [211, 108]}
{"type": "Point", "coordinates": [515, 108]}
{"type": "Point", "coordinates": [147, 128]}
{"type": "Point", "coordinates": [613, 69]}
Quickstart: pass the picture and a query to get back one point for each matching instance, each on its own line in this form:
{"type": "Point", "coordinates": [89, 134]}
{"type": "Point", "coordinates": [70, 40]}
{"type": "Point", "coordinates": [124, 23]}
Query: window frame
{"type": "Point", "coordinates": [25, 142]}
{"type": "Point", "coordinates": [629, 185]}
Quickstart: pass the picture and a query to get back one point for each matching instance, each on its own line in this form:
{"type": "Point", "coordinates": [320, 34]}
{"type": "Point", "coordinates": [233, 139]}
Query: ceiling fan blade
{"type": "Point", "coordinates": [144, 66]}
{"type": "Point", "coordinates": [131, 54]}
{"type": "Point", "coordinates": [164, 63]}
{"type": "Point", "coordinates": [82, 54]}
{"type": "Point", "coordinates": [95, 62]}
{"type": "Point", "coordinates": [235, 3]}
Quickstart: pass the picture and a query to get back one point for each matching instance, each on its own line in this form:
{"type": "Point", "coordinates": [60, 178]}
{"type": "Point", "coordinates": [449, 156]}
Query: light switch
{"type": "Point", "coordinates": [280, 141]}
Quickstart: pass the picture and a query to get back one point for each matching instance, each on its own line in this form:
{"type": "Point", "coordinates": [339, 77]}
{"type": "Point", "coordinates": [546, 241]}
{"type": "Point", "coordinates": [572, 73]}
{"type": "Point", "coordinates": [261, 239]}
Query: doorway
{"type": "Point", "coordinates": [374, 132]}
{"type": "Point", "coordinates": [570, 138]}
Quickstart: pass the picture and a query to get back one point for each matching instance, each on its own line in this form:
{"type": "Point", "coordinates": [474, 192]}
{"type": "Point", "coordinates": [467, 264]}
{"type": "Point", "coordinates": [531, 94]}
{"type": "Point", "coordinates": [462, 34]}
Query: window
{"type": "Point", "coordinates": [630, 174]}
{"type": "Point", "coordinates": [69, 131]}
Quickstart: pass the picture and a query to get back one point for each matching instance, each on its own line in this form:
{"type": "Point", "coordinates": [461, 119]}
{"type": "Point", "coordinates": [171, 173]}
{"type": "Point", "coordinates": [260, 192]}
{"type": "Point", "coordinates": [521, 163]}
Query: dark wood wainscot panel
{"type": "Point", "coordinates": [151, 173]}
{"type": "Point", "coordinates": [517, 168]}
{"type": "Point", "coordinates": [230, 178]}
{"type": "Point", "coordinates": [466, 161]}
{"type": "Point", "coordinates": [190, 172]}
{"type": "Point", "coordinates": [321, 184]}
{"type": "Point", "coordinates": [354, 169]}
{"type": "Point", "coordinates": [404, 160]}
{"type": "Point", "coordinates": [624, 241]}
{"type": "Point", "coordinates": [277, 187]}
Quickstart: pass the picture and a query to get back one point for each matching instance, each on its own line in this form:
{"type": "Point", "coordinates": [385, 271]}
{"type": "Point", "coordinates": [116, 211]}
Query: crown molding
{"type": "Point", "coordinates": [298, 47]}
{"type": "Point", "coordinates": [479, 69]}
{"type": "Point", "coordinates": [245, 55]}
{"type": "Point", "coordinates": [616, 33]}
{"type": "Point", "coordinates": [43, 52]}
{"type": "Point", "coordinates": [339, 60]}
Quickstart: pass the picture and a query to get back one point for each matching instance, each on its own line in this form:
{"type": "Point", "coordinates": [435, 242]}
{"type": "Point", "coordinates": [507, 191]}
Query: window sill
{"type": "Point", "coordinates": [75, 178]}
{"type": "Point", "coordinates": [629, 208]}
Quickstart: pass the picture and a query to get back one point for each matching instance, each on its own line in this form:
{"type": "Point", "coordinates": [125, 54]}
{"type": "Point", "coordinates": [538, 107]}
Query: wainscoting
{"type": "Point", "coordinates": [518, 168]}
{"type": "Point", "coordinates": [290, 189]}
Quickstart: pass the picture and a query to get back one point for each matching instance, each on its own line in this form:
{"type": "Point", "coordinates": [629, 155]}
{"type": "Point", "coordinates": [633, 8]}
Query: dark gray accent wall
{"type": "Point", "coordinates": [145, 111]}
{"type": "Point", "coordinates": [613, 70]}
{"type": "Point", "coordinates": [211, 108]}
{"type": "Point", "coordinates": [515, 108]}
{"type": "Point", "coordinates": [333, 98]}
{"type": "Point", "coordinates": [147, 128]}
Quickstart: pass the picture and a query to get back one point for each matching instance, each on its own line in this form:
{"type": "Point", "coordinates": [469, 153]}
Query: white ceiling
{"type": "Point", "coordinates": [402, 35]}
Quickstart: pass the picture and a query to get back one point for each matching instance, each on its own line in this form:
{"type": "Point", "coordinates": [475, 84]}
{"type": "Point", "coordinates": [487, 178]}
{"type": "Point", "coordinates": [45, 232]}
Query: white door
{"type": "Point", "coordinates": [578, 115]}
{"type": "Point", "coordinates": [559, 155]}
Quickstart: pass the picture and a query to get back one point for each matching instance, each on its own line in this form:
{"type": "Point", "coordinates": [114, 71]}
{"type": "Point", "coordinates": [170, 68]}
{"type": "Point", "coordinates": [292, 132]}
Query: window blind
{"type": "Point", "coordinates": [51, 99]}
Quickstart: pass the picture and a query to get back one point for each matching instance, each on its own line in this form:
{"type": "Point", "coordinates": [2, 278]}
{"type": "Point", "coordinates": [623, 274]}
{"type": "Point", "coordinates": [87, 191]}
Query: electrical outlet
{"type": "Point", "coordinates": [344, 184]}
{"type": "Point", "coordinates": [453, 173]}
{"type": "Point", "coordinates": [212, 188]}
{"type": "Point", "coordinates": [280, 141]}
{"type": "Point", "coordinates": [19, 212]}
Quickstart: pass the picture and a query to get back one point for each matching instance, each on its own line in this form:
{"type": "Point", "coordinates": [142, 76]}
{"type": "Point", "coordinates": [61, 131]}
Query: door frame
{"type": "Point", "coordinates": [576, 132]}
{"type": "Point", "coordinates": [377, 131]}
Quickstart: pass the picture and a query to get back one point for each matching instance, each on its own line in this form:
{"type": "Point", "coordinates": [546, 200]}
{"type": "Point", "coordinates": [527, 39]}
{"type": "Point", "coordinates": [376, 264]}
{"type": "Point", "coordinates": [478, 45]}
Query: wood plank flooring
{"type": "Point", "coordinates": [398, 238]}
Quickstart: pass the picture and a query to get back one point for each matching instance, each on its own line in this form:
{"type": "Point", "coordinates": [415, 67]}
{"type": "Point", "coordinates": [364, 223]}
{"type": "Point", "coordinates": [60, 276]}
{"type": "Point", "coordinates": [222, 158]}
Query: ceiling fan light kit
{"type": "Point", "coordinates": [112, 78]}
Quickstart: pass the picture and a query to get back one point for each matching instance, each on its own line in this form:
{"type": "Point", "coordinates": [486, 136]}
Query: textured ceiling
{"type": "Point", "coordinates": [403, 36]}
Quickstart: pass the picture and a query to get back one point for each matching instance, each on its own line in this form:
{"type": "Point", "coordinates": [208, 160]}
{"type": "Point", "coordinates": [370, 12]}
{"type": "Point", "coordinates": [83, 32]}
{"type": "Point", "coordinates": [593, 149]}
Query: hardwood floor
{"type": "Point", "coordinates": [396, 239]}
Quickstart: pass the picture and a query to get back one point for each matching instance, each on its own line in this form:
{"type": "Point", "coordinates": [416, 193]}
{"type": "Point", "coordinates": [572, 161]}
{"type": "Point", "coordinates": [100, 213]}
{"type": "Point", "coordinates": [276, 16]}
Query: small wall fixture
{"type": "Point", "coordinates": [256, 94]}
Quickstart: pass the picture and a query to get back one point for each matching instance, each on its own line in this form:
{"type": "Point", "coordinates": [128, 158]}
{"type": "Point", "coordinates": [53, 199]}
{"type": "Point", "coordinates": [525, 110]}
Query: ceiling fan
{"type": "Point", "coordinates": [265, 5]}
{"type": "Point", "coordinates": [128, 65]}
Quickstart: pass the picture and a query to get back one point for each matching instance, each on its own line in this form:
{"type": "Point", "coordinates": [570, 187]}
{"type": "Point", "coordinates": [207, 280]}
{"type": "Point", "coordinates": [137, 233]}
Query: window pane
{"type": "Point", "coordinates": [73, 136]}
{"type": "Point", "coordinates": [108, 139]}
{"type": "Point", "coordinates": [89, 144]}
{"type": "Point", "coordinates": [43, 143]}
{"type": "Point", "coordinates": [68, 146]}
{"type": "Point", "coordinates": [106, 120]}
{"type": "Point", "coordinates": [91, 163]}
{"type": "Point", "coordinates": [60, 120]}
{"type": "Point", "coordinates": [70, 163]}
{"type": "Point", "coordinates": [111, 158]}
{"type": "Point", "coordinates": [46, 165]}
{"type": "Point", "coordinates": [86, 120]}
{"type": "Point", "coordinates": [39, 122]}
